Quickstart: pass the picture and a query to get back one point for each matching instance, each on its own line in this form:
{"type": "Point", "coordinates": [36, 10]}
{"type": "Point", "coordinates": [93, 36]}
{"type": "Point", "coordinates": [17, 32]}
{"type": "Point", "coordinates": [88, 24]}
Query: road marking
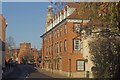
{"type": "Point", "coordinates": [27, 76]}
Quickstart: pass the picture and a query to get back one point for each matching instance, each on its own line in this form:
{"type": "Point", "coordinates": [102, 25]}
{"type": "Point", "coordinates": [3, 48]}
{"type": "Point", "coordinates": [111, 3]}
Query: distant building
{"type": "Point", "coordinates": [62, 48]}
{"type": "Point", "coordinates": [35, 54]}
{"type": "Point", "coordinates": [26, 50]}
{"type": "Point", "coordinates": [3, 26]}
{"type": "Point", "coordinates": [40, 58]}
{"type": "Point", "coordinates": [40, 55]}
{"type": "Point", "coordinates": [13, 53]}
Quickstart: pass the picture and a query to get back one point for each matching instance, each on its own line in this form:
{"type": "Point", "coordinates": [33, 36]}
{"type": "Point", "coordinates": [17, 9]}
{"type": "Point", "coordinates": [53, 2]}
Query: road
{"type": "Point", "coordinates": [24, 72]}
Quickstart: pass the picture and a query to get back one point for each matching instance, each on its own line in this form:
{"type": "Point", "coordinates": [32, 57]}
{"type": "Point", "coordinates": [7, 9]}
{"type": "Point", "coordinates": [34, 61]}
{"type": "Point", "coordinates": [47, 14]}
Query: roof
{"type": "Point", "coordinates": [52, 28]}
{"type": "Point", "coordinates": [97, 22]}
{"type": "Point", "coordinates": [79, 13]}
{"type": "Point", "coordinates": [73, 4]}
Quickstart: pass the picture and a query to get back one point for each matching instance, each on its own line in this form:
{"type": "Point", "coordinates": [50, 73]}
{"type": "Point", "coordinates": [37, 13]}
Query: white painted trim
{"type": "Point", "coordinates": [77, 20]}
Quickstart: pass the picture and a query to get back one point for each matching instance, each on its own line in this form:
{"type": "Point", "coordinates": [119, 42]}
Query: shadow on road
{"type": "Point", "coordinates": [20, 72]}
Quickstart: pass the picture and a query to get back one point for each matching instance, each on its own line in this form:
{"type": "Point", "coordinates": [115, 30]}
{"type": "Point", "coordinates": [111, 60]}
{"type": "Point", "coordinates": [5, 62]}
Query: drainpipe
{"type": "Point", "coordinates": [43, 62]}
{"type": "Point", "coordinates": [52, 51]}
{"type": "Point", "coordinates": [87, 74]}
{"type": "Point", "coordinates": [70, 67]}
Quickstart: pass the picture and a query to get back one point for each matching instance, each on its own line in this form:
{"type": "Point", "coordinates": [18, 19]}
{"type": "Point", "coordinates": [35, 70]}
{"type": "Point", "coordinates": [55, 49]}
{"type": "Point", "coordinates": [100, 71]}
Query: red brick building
{"type": "Point", "coordinates": [26, 50]}
{"type": "Point", "coordinates": [13, 53]}
{"type": "Point", "coordinates": [61, 46]}
{"type": "Point", "coordinates": [3, 26]}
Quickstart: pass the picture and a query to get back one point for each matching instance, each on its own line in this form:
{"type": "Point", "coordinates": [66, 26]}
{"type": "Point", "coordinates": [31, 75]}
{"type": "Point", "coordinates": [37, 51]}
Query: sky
{"type": "Point", "coordinates": [26, 21]}
{"type": "Point", "coordinates": [60, 0]}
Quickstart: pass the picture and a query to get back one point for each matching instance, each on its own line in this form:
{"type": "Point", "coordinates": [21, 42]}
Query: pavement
{"type": "Point", "coordinates": [49, 73]}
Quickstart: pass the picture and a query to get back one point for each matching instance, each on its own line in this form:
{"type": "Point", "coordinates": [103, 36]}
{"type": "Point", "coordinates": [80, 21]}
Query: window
{"type": "Point", "coordinates": [65, 29]}
{"type": "Point", "coordinates": [54, 48]}
{"type": "Point", "coordinates": [57, 47]}
{"type": "Point", "coordinates": [47, 51]}
{"type": "Point", "coordinates": [80, 65]}
{"type": "Point", "coordinates": [54, 33]}
{"type": "Point", "coordinates": [51, 49]}
{"type": "Point", "coordinates": [57, 33]}
{"type": "Point", "coordinates": [50, 37]}
{"type": "Point", "coordinates": [60, 31]}
{"type": "Point", "coordinates": [76, 44]}
{"type": "Point", "coordinates": [60, 46]}
{"type": "Point", "coordinates": [65, 46]}
{"type": "Point", "coordinates": [44, 39]}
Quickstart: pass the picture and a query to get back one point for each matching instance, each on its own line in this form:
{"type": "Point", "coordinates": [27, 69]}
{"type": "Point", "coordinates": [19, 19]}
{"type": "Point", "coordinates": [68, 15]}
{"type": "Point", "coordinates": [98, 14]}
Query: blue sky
{"type": "Point", "coordinates": [26, 21]}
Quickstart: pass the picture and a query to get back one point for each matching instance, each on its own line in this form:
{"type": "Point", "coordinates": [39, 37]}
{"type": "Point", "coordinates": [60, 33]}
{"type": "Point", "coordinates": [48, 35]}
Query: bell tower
{"type": "Point", "coordinates": [48, 17]}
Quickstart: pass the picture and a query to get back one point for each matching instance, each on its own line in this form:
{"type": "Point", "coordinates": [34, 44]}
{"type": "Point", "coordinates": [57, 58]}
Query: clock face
{"type": "Point", "coordinates": [77, 27]}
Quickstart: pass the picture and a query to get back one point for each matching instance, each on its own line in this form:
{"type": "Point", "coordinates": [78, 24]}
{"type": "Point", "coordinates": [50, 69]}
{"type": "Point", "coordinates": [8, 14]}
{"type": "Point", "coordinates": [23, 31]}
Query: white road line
{"type": "Point", "coordinates": [26, 77]}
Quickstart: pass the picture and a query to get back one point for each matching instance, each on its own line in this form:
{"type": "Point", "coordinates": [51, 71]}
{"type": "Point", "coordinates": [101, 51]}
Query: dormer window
{"type": "Point", "coordinates": [60, 16]}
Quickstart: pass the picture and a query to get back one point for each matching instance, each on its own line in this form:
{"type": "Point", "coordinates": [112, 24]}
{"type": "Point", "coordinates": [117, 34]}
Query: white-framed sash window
{"type": "Point", "coordinates": [76, 44]}
{"type": "Point", "coordinates": [80, 65]}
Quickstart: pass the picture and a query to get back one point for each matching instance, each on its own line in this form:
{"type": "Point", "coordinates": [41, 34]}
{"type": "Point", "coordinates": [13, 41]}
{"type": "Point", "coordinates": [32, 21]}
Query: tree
{"type": "Point", "coordinates": [105, 54]}
{"type": "Point", "coordinates": [57, 6]}
{"type": "Point", "coordinates": [105, 48]}
{"type": "Point", "coordinates": [118, 18]}
{"type": "Point", "coordinates": [10, 43]}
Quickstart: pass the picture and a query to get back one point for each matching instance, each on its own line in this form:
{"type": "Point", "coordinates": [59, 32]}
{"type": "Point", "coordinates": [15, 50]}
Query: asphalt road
{"type": "Point", "coordinates": [24, 72]}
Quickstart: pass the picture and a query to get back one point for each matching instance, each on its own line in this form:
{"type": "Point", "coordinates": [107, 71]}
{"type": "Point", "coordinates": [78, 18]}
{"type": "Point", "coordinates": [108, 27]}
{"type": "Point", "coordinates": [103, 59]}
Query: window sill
{"type": "Point", "coordinates": [80, 70]}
